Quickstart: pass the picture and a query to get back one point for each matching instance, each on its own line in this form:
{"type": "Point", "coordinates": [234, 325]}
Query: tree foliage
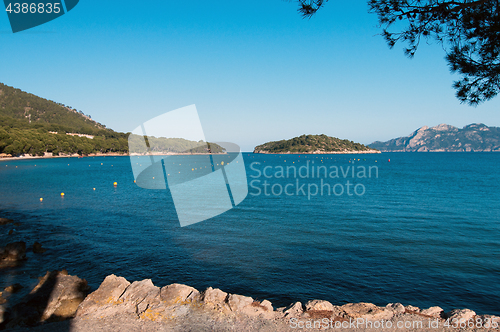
{"type": "Point", "coordinates": [468, 30]}
{"type": "Point", "coordinates": [311, 144]}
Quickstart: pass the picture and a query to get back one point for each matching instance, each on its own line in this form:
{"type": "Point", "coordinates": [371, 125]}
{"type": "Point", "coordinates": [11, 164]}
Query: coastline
{"type": "Point", "coordinates": [61, 300]}
{"type": "Point", "coordinates": [319, 152]}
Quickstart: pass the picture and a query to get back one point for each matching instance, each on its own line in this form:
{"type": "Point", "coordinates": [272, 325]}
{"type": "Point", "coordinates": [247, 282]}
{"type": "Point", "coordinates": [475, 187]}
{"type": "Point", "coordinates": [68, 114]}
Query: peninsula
{"type": "Point", "coordinates": [314, 144]}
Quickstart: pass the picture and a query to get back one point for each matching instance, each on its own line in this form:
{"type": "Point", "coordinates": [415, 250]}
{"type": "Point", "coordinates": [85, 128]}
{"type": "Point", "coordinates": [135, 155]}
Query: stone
{"type": "Point", "coordinates": [5, 221]}
{"type": "Point", "coordinates": [412, 309]}
{"type": "Point", "coordinates": [460, 314]}
{"type": "Point", "coordinates": [37, 248]}
{"type": "Point", "coordinates": [294, 310]}
{"type": "Point", "coordinates": [2, 299]}
{"type": "Point", "coordinates": [319, 305]}
{"type": "Point", "coordinates": [436, 312]}
{"type": "Point", "coordinates": [56, 297]}
{"type": "Point", "coordinates": [105, 297]}
{"type": "Point", "coordinates": [267, 305]}
{"type": "Point", "coordinates": [141, 295]}
{"type": "Point", "coordinates": [368, 311]}
{"type": "Point", "coordinates": [214, 296]}
{"type": "Point", "coordinates": [397, 308]}
{"type": "Point", "coordinates": [15, 251]}
{"type": "Point", "coordinates": [13, 288]}
{"type": "Point", "coordinates": [238, 302]}
{"type": "Point", "coordinates": [179, 294]}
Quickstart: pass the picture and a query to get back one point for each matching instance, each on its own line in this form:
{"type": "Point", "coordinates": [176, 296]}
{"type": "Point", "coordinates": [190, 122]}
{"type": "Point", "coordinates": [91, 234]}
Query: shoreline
{"type": "Point", "coordinates": [142, 306]}
{"type": "Point", "coordinates": [319, 152]}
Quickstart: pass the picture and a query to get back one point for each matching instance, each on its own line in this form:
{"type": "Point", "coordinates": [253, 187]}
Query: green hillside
{"type": "Point", "coordinates": [313, 144]}
{"type": "Point", "coordinates": [26, 123]}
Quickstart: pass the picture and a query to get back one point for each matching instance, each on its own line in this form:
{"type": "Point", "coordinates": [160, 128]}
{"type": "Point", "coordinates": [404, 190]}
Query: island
{"type": "Point", "coordinates": [314, 144]}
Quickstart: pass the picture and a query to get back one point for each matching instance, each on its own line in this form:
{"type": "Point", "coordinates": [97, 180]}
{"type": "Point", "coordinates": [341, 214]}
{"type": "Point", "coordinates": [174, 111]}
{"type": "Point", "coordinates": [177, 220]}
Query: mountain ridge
{"type": "Point", "coordinates": [475, 137]}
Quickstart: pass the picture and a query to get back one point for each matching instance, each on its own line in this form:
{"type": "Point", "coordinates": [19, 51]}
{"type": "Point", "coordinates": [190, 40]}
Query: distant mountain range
{"type": "Point", "coordinates": [475, 137]}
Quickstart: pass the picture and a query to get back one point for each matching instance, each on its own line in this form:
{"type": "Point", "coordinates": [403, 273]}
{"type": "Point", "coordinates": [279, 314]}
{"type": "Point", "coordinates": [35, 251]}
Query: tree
{"type": "Point", "coordinates": [468, 30]}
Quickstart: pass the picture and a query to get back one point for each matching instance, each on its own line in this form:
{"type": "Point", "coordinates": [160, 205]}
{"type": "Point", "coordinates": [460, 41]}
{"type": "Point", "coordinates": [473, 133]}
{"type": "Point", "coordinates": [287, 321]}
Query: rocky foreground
{"type": "Point", "coordinates": [62, 302]}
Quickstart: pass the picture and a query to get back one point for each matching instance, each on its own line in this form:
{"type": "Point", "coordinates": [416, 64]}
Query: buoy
{"type": "Point", "coordinates": [134, 181]}
{"type": "Point", "coordinates": [222, 163]}
{"type": "Point", "coordinates": [94, 189]}
{"type": "Point", "coordinates": [41, 199]}
{"type": "Point", "coordinates": [62, 194]}
{"type": "Point", "coordinates": [389, 160]}
{"type": "Point", "coordinates": [115, 184]}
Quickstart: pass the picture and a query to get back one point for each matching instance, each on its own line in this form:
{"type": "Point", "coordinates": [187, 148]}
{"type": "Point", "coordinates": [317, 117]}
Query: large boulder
{"type": "Point", "coordinates": [179, 294]}
{"type": "Point", "coordinates": [214, 296]}
{"type": "Point", "coordinates": [15, 251]}
{"type": "Point", "coordinates": [238, 302]}
{"type": "Point", "coordinates": [435, 312]}
{"type": "Point", "coordinates": [319, 305]}
{"type": "Point", "coordinates": [56, 297]}
{"type": "Point", "coordinates": [461, 315]}
{"type": "Point", "coordinates": [104, 301]}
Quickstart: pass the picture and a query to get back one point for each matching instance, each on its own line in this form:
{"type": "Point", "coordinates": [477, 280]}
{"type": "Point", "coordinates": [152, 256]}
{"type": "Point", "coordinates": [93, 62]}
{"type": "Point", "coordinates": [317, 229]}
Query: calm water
{"type": "Point", "coordinates": [425, 232]}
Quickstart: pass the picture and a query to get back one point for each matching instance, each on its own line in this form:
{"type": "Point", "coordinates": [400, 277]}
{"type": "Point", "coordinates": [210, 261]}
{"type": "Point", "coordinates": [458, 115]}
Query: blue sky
{"type": "Point", "coordinates": [255, 69]}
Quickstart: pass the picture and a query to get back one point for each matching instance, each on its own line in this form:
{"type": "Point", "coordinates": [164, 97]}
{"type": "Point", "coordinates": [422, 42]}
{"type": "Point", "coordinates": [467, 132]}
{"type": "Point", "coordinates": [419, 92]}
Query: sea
{"type": "Point", "coordinates": [420, 229]}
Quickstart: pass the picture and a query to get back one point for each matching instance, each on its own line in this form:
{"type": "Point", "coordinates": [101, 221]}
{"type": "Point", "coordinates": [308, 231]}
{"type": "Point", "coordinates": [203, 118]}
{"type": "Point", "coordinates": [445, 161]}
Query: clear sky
{"type": "Point", "coordinates": [255, 69]}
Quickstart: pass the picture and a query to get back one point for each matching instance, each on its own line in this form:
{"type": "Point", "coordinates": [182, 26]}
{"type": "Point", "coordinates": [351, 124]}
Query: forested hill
{"type": "Point", "coordinates": [33, 125]}
{"type": "Point", "coordinates": [314, 144]}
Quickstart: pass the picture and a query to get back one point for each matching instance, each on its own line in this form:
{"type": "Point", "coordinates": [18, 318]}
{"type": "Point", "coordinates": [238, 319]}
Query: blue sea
{"type": "Point", "coordinates": [421, 229]}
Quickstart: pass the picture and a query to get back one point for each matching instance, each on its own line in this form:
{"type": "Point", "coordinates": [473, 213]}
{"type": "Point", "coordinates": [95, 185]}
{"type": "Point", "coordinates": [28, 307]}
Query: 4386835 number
{"type": "Point", "coordinates": [33, 8]}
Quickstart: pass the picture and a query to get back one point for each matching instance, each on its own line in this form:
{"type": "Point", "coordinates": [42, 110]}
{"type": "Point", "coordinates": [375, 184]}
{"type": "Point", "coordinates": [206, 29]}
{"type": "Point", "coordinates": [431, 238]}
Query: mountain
{"type": "Point", "coordinates": [475, 137]}
{"type": "Point", "coordinates": [36, 126]}
{"type": "Point", "coordinates": [314, 144]}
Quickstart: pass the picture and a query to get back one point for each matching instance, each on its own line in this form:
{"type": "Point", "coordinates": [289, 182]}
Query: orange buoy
{"type": "Point", "coordinates": [94, 189]}
{"type": "Point", "coordinates": [41, 199]}
{"type": "Point", "coordinates": [62, 194]}
{"type": "Point", "coordinates": [115, 184]}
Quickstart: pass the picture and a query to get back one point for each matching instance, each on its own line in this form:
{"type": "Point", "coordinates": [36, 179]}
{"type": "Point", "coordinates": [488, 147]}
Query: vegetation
{"type": "Point", "coordinates": [35, 126]}
{"type": "Point", "coordinates": [311, 144]}
{"type": "Point", "coordinates": [26, 123]}
{"type": "Point", "coordinates": [468, 30]}
{"type": "Point", "coordinates": [170, 145]}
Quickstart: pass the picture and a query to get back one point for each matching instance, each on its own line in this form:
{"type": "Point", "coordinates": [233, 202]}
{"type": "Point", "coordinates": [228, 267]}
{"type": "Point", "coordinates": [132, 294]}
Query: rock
{"type": "Point", "coordinates": [267, 305]}
{"type": "Point", "coordinates": [461, 314]}
{"type": "Point", "coordinates": [37, 248]}
{"type": "Point", "coordinates": [319, 305]}
{"type": "Point", "coordinates": [105, 297]}
{"type": "Point", "coordinates": [14, 251]}
{"type": "Point", "coordinates": [368, 311]}
{"type": "Point", "coordinates": [56, 297]}
{"type": "Point", "coordinates": [436, 312]}
{"type": "Point", "coordinates": [5, 221]}
{"type": "Point", "coordinates": [238, 302]}
{"type": "Point", "coordinates": [11, 232]}
{"type": "Point", "coordinates": [2, 299]}
{"type": "Point", "coordinates": [412, 309]}
{"type": "Point", "coordinates": [397, 308]}
{"type": "Point", "coordinates": [141, 294]}
{"type": "Point", "coordinates": [294, 310]}
{"type": "Point", "coordinates": [178, 293]}
{"type": "Point", "coordinates": [13, 288]}
{"type": "Point", "coordinates": [214, 296]}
